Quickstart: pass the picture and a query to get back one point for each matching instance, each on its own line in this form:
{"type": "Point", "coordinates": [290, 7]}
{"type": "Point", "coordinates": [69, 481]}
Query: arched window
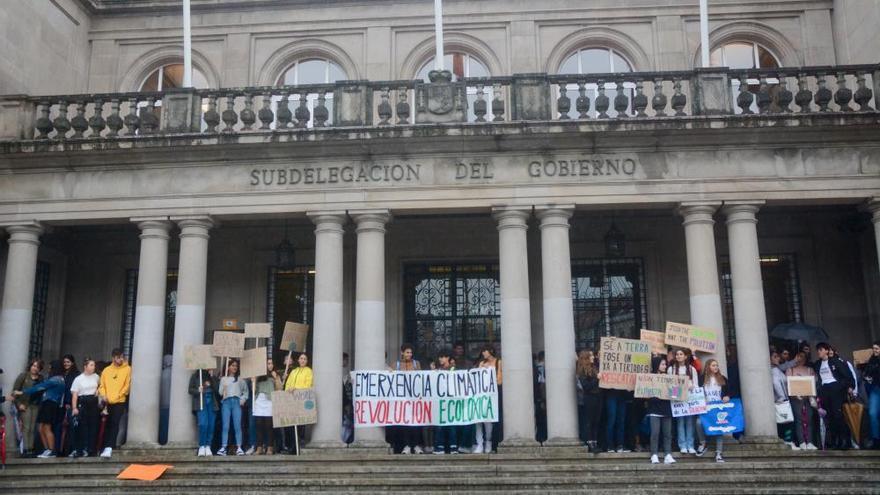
{"type": "Point", "coordinates": [596, 61]}
{"type": "Point", "coordinates": [171, 76]}
{"type": "Point", "coordinates": [462, 65]}
{"type": "Point", "coordinates": [744, 55]}
{"type": "Point", "coordinates": [310, 71]}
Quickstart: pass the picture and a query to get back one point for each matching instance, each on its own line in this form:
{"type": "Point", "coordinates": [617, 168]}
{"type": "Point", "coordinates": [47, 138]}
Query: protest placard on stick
{"type": "Point", "coordinates": [669, 387]}
{"type": "Point", "coordinates": [294, 408]}
{"type": "Point", "coordinates": [801, 386]}
{"type": "Point", "coordinates": [691, 337]}
{"type": "Point", "coordinates": [620, 360]}
{"type": "Point", "coordinates": [695, 404]}
{"type": "Point", "coordinates": [862, 356]}
{"type": "Point", "coordinates": [253, 363]}
{"type": "Point", "coordinates": [199, 357]}
{"type": "Point", "coordinates": [656, 339]}
{"type": "Point", "coordinates": [227, 344]}
{"type": "Point", "coordinates": [294, 337]}
{"type": "Point", "coordinates": [257, 330]}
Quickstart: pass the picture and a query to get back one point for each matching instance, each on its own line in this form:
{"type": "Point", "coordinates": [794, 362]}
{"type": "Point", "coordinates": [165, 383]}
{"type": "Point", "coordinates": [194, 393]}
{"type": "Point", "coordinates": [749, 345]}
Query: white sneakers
{"type": "Point", "coordinates": [107, 452]}
{"type": "Point", "coordinates": [691, 450]}
{"type": "Point", "coordinates": [239, 451]}
{"type": "Point", "coordinates": [809, 446]}
{"type": "Point", "coordinates": [47, 454]}
{"type": "Point", "coordinates": [794, 446]}
{"type": "Point", "coordinates": [654, 459]}
{"type": "Point", "coordinates": [418, 450]}
{"type": "Point", "coordinates": [478, 449]}
{"type": "Point", "coordinates": [208, 452]}
{"type": "Point", "coordinates": [406, 450]}
{"type": "Point", "coordinates": [222, 452]}
{"type": "Point", "coordinates": [683, 450]}
{"type": "Point", "coordinates": [668, 459]}
{"type": "Point", "coordinates": [250, 451]}
{"type": "Point", "coordinates": [201, 452]}
{"type": "Point", "coordinates": [718, 457]}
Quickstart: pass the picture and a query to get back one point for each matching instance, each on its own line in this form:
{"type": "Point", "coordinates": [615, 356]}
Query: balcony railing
{"type": "Point", "coordinates": [474, 101]}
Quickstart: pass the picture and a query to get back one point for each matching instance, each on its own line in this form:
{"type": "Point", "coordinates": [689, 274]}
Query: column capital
{"type": "Point", "coordinates": [153, 227]}
{"type": "Point", "coordinates": [741, 211]}
{"type": "Point", "coordinates": [194, 225]}
{"type": "Point", "coordinates": [25, 232]}
{"type": "Point", "coordinates": [371, 220]}
{"type": "Point", "coordinates": [698, 212]}
{"type": "Point", "coordinates": [328, 221]}
{"type": "Point", "coordinates": [872, 205]}
{"type": "Point", "coordinates": [511, 217]}
{"type": "Point", "coordinates": [554, 215]}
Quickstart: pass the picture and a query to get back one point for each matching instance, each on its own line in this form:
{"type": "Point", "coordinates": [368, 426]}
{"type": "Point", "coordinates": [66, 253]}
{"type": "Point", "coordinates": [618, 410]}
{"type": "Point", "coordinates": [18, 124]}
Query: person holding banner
{"type": "Point", "coordinates": [715, 387]}
{"type": "Point", "coordinates": [205, 406]}
{"type": "Point", "coordinates": [265, 385]}
{"type": "Point", "coordinates": [660, 414]}
{"type": "Point", "coordinates": [484, 440]}
{"type": "Point", "coordinates": [802, 407]}
{"type": "Point", "coordinates": [685, 424]}
{"type": "Point", "coordinates": [445, 437]}
{"type": "Point", "coordinates": [406, 439]}
{"type": "Point", "coordinates": [301, 377]}
{"type": "Point", "coordinates": [233, 394]}
{"type": "Point", "coordinates": [589, 398]}
{"type": "Point", "coordinates": [871, 373]}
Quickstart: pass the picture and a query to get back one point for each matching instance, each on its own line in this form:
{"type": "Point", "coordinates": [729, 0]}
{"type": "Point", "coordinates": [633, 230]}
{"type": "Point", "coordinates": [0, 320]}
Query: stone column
{"type": "Point", "coordinates": [327, 333]}
{"type": "Point", "coordinates": [705, 295]}
{"type": "Point", "coordinates": [18, 303]}
{"type": "Point", "coordinates": [753, 344]}
{"type": "Point", "coordinates": [559, 341]}
{"type": "Point", "coordinates": [149, 327]}
{"type": "Point", "coordinates": [516, 335]}
{"type": "Point", "coordinates": [873, 206]}
{"type": "Point", "coordinates": [189, 322]}
{"type": "Point", "coordinates": [369, 325]}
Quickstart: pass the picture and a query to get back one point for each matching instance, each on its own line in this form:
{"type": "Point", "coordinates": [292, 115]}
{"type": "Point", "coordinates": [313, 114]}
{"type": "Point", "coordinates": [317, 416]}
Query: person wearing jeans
{"type": "Point", "coordinates": [872, 380]}
{"type": "Point", "coordinates": [204, 407]}
{"type": "Point", "coordinates": [660, 414]}
{"type": "Point", "coordinates": [233, 392]}
{"type": "Point", "coordinates": [615, 416]}
{"type": "Point", "coordinates": [685, 424]}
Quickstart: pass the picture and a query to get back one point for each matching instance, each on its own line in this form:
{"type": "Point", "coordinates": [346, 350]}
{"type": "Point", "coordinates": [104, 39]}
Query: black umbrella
{"type": "Point", "coordinates": [799, 332]}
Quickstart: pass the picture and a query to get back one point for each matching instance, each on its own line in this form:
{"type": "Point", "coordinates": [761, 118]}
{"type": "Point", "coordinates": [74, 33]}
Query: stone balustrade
{"type": "Point", "coordinates": [598, 98]}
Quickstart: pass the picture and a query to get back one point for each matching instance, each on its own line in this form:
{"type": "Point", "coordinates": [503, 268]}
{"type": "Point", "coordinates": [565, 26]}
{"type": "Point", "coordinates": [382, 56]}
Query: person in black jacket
{"type": "Point", "coordinates": [589, 398]}
{"type": "Point", "coordinates": [871, 373]}
{"type": "Point", "coordinates": [660, 414]}
{"type": "Point", "coordinates": [834, 380]}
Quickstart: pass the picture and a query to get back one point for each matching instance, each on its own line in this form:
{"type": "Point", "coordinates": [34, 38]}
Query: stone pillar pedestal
{"type": "Point", "coordinates": [327, 332]}
{"type": "Point", "coordinates": [189, 322]}
{"type": "Point", "coordinates": [17, 308]}
{"type": "Point", "coordinates": [149, 326]}
{"type": "Point", "coordinates": [753, 344]}
{"type": "Point", "coordinates": [516, 335]}
{"type": "Point", "coordinates": [369, 326]}
{"type": "Point", "coordinates": [705, 294]}
{"type": "Point", "coordinates": [559, 340]}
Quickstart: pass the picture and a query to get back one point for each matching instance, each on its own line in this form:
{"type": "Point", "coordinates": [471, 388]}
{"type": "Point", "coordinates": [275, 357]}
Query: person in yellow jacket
{"type": "Point", "coordinates": [113, 392]}
{"type": "Point", "coordinates": [301, 377]}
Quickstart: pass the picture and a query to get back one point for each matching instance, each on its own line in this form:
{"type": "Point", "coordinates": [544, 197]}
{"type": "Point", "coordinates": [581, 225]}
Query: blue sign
{"type": "Point", "coordinates": [721, 418]}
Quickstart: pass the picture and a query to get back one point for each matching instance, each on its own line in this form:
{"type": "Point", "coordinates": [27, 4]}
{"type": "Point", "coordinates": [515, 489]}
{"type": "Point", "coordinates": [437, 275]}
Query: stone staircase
{"type": "Point", "coordinates": [554, 471]}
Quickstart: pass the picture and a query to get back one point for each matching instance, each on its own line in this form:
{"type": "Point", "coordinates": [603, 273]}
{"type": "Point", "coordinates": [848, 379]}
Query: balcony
{"type": "Point", "coordinates": [713, 98]}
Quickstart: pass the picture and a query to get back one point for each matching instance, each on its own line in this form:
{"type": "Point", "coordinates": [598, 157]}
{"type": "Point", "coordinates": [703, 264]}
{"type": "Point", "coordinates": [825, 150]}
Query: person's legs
{"type": "Point", "coordinates": [655, 434]}
{"type": "Point", "coordinates": [28, 423]}
{"type": "Point", "coordinates": [620, 423]}
{"type": "Point", "coordinates": [226, 416]}
{"type": "Point", "coordinates": [719, 444]}
{"type": "Point", "coordinates": [797, 408]}
{"type": "Point", "coordinates": [611, 405]}
{"type": "Point", "coordinates": [689, 431]}
{"type": "Point", "coordinates": [666, 424]}
{"type": "Point", "coordinates": [113, 419]}
{"type": "Point", "coordinates": [874, 412]}
{"type": "Point", "coordinates": [682, 434]}
{"type": "Point", "coordinates": [593, 404]}
{"type": "Point", "coordinates": [440, 434]}
{"type": "Point", "coordinates": [236, 422]}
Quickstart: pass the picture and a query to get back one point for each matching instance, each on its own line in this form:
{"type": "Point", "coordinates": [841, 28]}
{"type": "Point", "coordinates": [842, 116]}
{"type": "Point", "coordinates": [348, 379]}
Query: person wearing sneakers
{"type": "Point", "coordinates": [445, 437]}
{"type": "Point", "coordinates": [265, 385]}
{"type": "Point", "coordinates": [205, 406]}
{"type": "Point", "coordinates": [53, 393]}
{"type": "Point", "coordinates": [483, 431]}
{"type": "Point", "coordinates": [113, 389]}
{"type": "Point", "coordinates": [780, 395]}
{"type": "Point", "coordinates": [685, 424]}
{"type": "Point", "coordinates": [406, 439]}
{"type": "Point", "coordinates": [301, 377]}
{"type": "Point", "coordinates": [84, 408]}
{"type": "Point", "coordinates": [233, 394]}
{"type": "Point", "coordinates": [27, 406]}
{"type": "Point", "coordinates": [660, 414]}
{"type": "Point", "coordinates": [802, 406]}
{"type": "Point", "coordinates": [715, 387]}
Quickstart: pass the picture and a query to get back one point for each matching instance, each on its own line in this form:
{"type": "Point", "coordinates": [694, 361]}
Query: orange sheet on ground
{"type": "Point", "coordinates": [143, 472]}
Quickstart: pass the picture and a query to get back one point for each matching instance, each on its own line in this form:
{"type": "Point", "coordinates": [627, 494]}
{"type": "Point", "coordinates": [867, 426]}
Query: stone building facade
{"type": "Point", "coordinates": [580, 177]}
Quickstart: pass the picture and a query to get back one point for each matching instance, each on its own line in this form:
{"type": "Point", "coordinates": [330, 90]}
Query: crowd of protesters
{"type": "Point", "coordinates": [60, 410]}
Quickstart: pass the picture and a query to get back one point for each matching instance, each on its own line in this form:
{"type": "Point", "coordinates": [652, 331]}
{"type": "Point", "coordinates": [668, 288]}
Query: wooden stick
{"type": "Point", "coordinates": [253, 393]}
{"type": "Point", "coordinates": [201, 392]}
{"type": "Point", "coordinates": [296, 439]}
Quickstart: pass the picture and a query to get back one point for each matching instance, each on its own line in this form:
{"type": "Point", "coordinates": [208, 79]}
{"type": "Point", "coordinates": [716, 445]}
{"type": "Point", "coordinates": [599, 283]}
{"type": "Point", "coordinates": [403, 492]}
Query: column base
{"type": "Point", "coordinates": [369, 444]}
{"type": "Point", "coordinates": [563, 442]}
{"type": "Point", "coordinates": [519, 446]}
{"type": "Point", "coordinates": [192, 444]}
{"type": "Point", "coordinates": [144, 445]}
{"type": "Point", "coordinates": [762, 442]}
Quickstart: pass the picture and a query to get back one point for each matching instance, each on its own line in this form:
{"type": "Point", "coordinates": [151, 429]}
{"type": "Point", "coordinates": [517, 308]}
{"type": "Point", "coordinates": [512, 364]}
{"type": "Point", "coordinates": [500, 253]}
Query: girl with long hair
{"type": "Point", "coordinates": [589, 398]}
{"type": "Point", "coordinates": [484, 440]}
{"type": "Point", "coordinates": [265, 385]}
{"type": "Point", "coordinates": [660, 414]}
{"type": "Point", "coordinates": [715, 387]}
{"type": "Point", "coordinates": [682, 366]}
{"type": "Point", "coordinates": [84, 408]}
{"type": "Point", "coordinates": [233, 394]}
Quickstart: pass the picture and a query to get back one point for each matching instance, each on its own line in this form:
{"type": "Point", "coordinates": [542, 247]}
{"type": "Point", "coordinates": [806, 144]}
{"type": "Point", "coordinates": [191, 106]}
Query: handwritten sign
{"type": "Point", "coordinates": [669, 387]}
{"type": "Point", "coordinates": [253, 362]}
{"type": "Point", "coordinates": [862, 356]}
{"type": "Point", "coordinates": [620, 360]}
{"type": "Point", "coordinates": [801, 386]}
{"type": "Point", "coordinates": [257, 330]}
{"type": "Point", "coordinates": [199, 357]}
{"type": "Point", "coordinates": [656, 339]}
{"type": "Point", "coordinates": [723, 418]}
{"type": "Point", "coordinates": [691, 337]}
{"type": "Point", "coordinates": [695, 404]}
{"type": "Point", "coordinates": [294, 337]}
{"type": "Point", "coordinates": [228, 344]}
{"type": "Point", "coordinates": [294, 407]}
{"type": "Point", "coordinates": [414, 398]}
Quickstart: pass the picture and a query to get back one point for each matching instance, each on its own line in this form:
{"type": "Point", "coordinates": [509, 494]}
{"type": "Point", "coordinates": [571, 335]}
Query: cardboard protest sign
{"type": "Point", "coordinates": [257, 330]}
{"type": "Point", "coordinates": [691, 337]}
{"type": "Point", "coordinates": [294, 337]}
{"type": "Point", "coordinates": [693, 405]}
{"type": "Point", "coordinates": [422, 398]}
{"type": "Point", "coordinates": [199, 357]}
{"type": "Point", "coordinates": [228, 344]}
{"type": "Point", "coordinates": [620, 360]}
{"type": "Point", "coordinates": [801, 386]}
{"type": "Point", "coordinates": [656, 339]}
{"type": "Point", "coordinates": [294, 408]}
{"type": "Point", "coordinates": [723, 418]}
{"type": "Point", "coordinates": [862, 356]}
{"type": "Point", "coordinates": [253, 363]}
{"type": "Point", "coordinates": [669, 387]}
